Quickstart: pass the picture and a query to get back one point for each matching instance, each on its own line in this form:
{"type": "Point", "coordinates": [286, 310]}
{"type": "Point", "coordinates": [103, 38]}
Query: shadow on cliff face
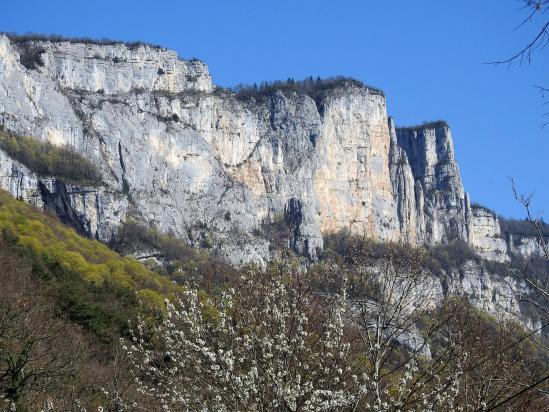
{"type": "Point", "coordinates": [58, 202]}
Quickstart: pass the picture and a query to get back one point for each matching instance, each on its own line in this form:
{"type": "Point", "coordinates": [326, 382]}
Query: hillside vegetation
{"type": "Point", "coordinates": [71, 300]}
{"type": "Point", "coordinates": [46, 357]}
{"type": "Point", "coordinates": [94, 286]}
{"type": "Point", "coordinates": [45, 159]}
{"type": "Point", "coordinates": [432, 124]}
{"type": "Point", "coordinates": [522, 227]}
{"type": "Point", "coordinates": [314, 88]}
{"type": "Point", "coordinates": [65, 302]}
{"type": "Point", "coordinates": [57, 38]}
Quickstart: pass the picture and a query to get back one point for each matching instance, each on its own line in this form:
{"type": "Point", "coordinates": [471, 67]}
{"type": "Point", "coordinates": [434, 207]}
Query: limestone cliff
{"type": "Point", "coordinates": [432, 204]}
{"type": "Point", "coordinates": [196, 160]}
{"type": "Point", "coordinates": [192, 157]}
{"type": "Point", "coordinates": [495, 244]}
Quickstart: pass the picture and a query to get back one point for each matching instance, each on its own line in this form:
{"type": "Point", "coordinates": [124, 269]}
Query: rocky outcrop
{"type": "Point", "coordinates": [95, 212]}
{"type": "Point", "coordinates": [493, 244]}
{"type": "Point", "coordinates": [524, 245]}
{"type": "Point", "coordinates": [190, 158]}
{"type": "Point", "coordinates": [496, 293]}
{"type": "Point", "coordinates": [116, 68]}
{"type": "Point", "coordinates": [486, 236]}
{"type": "Point", "coordinates": [442, 210]}
{"type": "Point", "coordinates": [352, 179]}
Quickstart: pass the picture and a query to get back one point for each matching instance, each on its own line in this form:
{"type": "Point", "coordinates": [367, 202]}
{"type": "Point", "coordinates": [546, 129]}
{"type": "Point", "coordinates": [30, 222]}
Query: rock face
{"type": "Point", "coordinates": [93, 211]}
{"type": "Point", "coordinates": [194, 160]}
{"type": "Point", "coordinates": [117, 68]}
{"type": "Point", "coordinates": [190, 158]}
{"type": "Point", "coordinates": [495, 293]}
{"type": "Point", "coordinates": [486, 236]}
{"type": "Point", "coordinates": [432, 205]}
{"type": "Point", "coordinates": [493, 244]}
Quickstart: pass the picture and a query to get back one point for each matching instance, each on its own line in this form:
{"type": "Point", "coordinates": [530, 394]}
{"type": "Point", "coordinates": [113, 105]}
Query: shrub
{"type": "Point", "coordinates": [93, 285]}
{"type": "Point", "coordinates": [278, 231]}
{"type": "Point", "coordinates": [133, 236]}
{"type": "Point", "coordinates": [316, 89]}
{"type": "Point", "coordinates": [30, 56]}
{"type": "Point", "coordinates": [348, 246]}
{"type": "Point", "coordinates": [475, 205]}
{"type": "Point", "coordinates": [432, 124]}
{"type": "Point", "coordinates": [181, 261]}
{"type": "Point", "coordinates": [440, 256]}
{"type": "Point", "coordinates": [46, 159]}
{"type": "Point", "coordinates": [522, 227]}
{"type": "Point", "coordinates": [451, 256]}
{"type": "Point", "coordinates": [56, 38]}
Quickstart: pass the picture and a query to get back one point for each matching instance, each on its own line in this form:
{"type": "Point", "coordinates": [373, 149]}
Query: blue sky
{"type": "Point", "coordinates": [428, 56]}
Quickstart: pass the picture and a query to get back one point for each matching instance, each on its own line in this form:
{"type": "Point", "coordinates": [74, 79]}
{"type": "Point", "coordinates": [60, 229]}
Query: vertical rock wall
{"type": "Point", "coordinates": [194, 160]}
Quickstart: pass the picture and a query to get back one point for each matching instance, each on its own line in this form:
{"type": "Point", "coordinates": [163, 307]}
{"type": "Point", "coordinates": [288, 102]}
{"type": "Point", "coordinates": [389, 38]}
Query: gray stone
{"type": "Point", "coordinates": [190, 158]}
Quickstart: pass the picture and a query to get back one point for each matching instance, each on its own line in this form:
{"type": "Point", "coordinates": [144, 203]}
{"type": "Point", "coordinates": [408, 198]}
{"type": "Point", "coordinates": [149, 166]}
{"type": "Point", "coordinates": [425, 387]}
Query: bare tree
{"type": "Point", "coordinates": [535, 221]}
{"type": "Point", "coordinates": [540, 300]}
{"type": "Point", "coordinates": [539, 286]}
{"type": "Point", "coordinates": [534, 9]}
{"type": "Point", "coordinates": [36, 349]}
{"type": "Point", "coordinates": [392, 296]}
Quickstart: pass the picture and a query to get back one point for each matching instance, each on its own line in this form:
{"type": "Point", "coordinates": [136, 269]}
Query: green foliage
{"type": "Point", "coordinates": [94, 286]}
{"type": "Point", "coordinates": [522, 227]}
{"type": "Point", "coordinates": [451, 255]}
{"type": "Point", "coordinates": [48, 160]}
{"type": "Point", "coordinates": [182, 260]}
{"type": "Point", "coordinates": [314, 88]}
{"type": "Point", "coordinates": [433, 124]}
{"type": "Point", "coordinates": [56, 38]}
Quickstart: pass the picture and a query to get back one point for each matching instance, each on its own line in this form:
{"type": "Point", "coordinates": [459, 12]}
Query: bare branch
{"type": "Point", "coordinates": [540, 41]}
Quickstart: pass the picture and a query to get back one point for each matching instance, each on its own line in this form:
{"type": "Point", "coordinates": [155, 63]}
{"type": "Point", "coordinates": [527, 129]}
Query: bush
{"type": "Point", "coordinates": [30, 56]}
{"type": "Point", "coordinates": [133, 236]}
{"type": "Point", "coordinates": [56, 38]}
{"type": "Point", "coordinates": [46, 159]}
{"type": "Point", "coordinates": [432, 124]}
{"type": "Point", "coordinates": [93, 285]}
{"type": "Point", "coordinates": [451, 256]}
{"type": "Point", "coordinates": [348, 246]}
{"type": "Point", "coordinates": [441, 256]}
{"type": "Point", "coordinates": [475, 205]}
{"type": "Point", "coordinates": [181, 261]}
{"type": "Point", "coordinates": [522, 227]}
{"type": "Point", "coordinates": [316, 89]}
{"type": "Point", "coordinates": [278, 231]}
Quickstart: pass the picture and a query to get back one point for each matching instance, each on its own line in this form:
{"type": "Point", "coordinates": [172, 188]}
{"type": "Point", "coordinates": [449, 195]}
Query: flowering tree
{"type": "Point", "coordinates": [386, 339]}
{"type": "Point", "coordinates": [267, 343]}
{"type": "Point", "coordinates": [398, 307]}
